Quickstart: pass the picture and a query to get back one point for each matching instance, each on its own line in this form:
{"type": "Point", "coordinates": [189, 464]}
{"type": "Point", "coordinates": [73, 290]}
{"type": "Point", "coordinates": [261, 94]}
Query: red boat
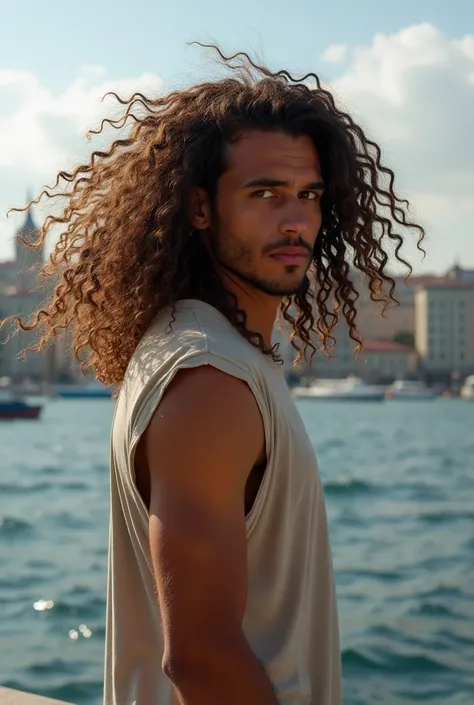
{"type": "Point", "coordinates": [15, 408]}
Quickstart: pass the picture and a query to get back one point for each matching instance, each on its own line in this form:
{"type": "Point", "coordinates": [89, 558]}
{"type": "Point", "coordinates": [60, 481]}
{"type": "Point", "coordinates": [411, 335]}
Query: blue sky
{"type": "Point", "coordinates": [54, 38]}
{"type": "Point", "coordinates": [51, 42]}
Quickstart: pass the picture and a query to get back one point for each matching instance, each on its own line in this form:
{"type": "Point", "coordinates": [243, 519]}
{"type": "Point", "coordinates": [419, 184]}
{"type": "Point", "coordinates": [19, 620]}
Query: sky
{"type": "Point", "coordinates": [405, 70]}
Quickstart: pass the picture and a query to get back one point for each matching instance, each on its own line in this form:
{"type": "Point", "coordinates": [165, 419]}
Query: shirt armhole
{"type": "Point", "coordinates": [151, 402]}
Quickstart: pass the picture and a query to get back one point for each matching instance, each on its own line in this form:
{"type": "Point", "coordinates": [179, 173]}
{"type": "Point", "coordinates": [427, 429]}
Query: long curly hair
{"type": "Point", "coordinates": [125, 250]}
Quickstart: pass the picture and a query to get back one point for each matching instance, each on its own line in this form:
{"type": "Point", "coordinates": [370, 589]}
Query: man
{"type": "Point", "coordinates": [230, 202]}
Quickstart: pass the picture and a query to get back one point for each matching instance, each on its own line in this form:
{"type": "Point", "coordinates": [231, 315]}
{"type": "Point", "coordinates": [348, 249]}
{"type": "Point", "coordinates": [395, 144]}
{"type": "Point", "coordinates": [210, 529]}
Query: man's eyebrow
{"type": "Point", "coordinates": [265, 182]}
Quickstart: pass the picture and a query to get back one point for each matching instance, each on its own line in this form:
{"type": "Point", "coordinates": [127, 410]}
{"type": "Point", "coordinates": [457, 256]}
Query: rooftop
{"type": "Point", "coordinates": [445, 283]}
{"type": "Point", "coordinates": [388, 346]}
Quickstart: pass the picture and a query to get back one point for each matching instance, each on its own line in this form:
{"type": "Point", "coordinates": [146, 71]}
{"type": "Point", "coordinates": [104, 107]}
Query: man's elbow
{"type": "Point", "coordinates": [218, 669]}
{"type": "Point", "coordinates": [186, 662]}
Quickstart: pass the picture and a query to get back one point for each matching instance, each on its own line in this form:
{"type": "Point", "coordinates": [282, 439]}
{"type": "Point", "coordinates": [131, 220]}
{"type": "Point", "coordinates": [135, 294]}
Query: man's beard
{"type": "Point", "coordinates": [266, 286]}
{"type": "Point", "coordinates": [232, 255]}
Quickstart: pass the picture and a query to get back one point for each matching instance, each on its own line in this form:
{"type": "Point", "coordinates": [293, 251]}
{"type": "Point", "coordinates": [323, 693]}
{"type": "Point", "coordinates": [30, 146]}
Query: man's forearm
{"type": "Point", "coordinates": [233, 676]}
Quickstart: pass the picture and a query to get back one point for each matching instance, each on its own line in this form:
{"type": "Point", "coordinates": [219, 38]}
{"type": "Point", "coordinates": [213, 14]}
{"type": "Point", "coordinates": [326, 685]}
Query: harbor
{"type": "Point", "coordinates": [177, 178]}
{"type": "Point", "coordinates": [355, 389]}
{"type": "Point", "coordinates": [15, 404]}
{"type": "Point", "coordinates": [398, 483]}
{"type": "Point", "coordinates": [424, 346]}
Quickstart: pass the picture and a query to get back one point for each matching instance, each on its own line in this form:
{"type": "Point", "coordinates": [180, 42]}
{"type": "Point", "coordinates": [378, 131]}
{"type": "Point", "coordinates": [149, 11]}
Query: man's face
{"type": "Point", "coordinates": [268, 211]}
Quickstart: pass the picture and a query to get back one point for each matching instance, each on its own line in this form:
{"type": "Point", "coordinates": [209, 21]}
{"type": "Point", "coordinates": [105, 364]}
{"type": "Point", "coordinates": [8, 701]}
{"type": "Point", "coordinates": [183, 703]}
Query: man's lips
{"type": "Point", "coordinates": [290, 255]}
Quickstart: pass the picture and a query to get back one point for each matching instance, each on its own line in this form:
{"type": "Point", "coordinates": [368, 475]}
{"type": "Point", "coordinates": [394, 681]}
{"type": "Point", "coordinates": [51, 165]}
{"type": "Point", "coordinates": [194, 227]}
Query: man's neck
{"type": "Point", "coordinates": [260, 309]}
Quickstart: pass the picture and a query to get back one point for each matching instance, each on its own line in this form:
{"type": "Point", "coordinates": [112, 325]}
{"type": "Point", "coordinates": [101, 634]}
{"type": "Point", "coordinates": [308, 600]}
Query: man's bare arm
{"type": "Point", "coordinates": [200, 446]}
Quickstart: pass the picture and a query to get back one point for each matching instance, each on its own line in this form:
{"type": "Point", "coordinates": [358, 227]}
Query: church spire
{"type": "Point", "coordinates": [28, 259]}
{"type": "Point", "coordinates": [29, 226]}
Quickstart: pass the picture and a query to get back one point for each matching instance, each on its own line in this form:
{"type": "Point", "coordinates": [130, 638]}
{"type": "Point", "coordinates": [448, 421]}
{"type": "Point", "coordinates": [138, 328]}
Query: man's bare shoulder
{"type": "Point", "coordinates": [206, 418]}
{"type": "Point", "coordinates": [206, 385]}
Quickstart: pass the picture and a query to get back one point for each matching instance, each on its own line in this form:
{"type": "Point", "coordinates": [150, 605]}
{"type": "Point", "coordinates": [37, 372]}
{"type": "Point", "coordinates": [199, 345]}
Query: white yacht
{"type": "Point", "coordinates": [467, 390]}
{"type": "Point", "coordinates": [410, 389]}
{"type": "Point", "coordinates": [349, 389]}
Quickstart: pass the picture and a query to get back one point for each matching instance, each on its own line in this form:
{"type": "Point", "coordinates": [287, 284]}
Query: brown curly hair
{"type": "Point", "coordinates": [125, 251]}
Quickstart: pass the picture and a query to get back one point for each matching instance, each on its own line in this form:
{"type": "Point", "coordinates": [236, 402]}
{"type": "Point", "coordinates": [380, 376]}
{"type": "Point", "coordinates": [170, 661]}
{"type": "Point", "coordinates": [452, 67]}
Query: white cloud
{"type": "Point", "coordinates": [42, 132]}
{"type": "Point", "coordinates": [413, 91]}
{"type": "Point", "coordinates": [335, 53]}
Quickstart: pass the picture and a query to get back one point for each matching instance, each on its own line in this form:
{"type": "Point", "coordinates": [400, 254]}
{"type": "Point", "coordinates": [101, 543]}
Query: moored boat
{"type": "Point", "coordinates": [467, 390]}
{"type": "Point", "coordinates": [349, 389]}
{"type": "Point", "coordinates": [410, 390]}
{"type": "Point", "coordinates": [14, 407]}
{"type": "Point", "coordinates": [90, 390]}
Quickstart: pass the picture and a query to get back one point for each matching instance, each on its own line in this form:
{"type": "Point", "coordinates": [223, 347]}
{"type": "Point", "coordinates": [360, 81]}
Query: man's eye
{"type": "Point", "coordinates": [310, 195]}
{"type": "Point", "coordinates": [263, 193]}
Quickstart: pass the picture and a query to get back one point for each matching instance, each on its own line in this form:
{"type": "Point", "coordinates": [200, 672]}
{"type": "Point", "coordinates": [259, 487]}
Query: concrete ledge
{"type": "Point", "coordinates": [15, 697]}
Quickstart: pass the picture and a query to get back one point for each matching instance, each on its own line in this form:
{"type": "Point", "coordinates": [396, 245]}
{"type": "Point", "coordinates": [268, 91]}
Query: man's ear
{"type": "Point", "coordinates": [199, 209]}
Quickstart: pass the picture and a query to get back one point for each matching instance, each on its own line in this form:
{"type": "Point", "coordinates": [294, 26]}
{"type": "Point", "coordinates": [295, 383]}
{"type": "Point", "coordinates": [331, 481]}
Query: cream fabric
{"type": "Point", "coordinates": [291, 617]}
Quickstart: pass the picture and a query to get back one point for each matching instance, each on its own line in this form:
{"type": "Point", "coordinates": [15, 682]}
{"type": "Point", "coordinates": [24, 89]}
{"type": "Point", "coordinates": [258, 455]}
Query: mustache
{"type": "Point", "coordinates": [288, 242]}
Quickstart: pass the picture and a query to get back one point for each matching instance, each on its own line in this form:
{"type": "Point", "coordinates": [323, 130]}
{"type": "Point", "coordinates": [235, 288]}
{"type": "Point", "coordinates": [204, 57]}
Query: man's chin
{"type": "Point", "coordinates": [281, 289]}
{"type": "Point", "coordinates": [271, 287]}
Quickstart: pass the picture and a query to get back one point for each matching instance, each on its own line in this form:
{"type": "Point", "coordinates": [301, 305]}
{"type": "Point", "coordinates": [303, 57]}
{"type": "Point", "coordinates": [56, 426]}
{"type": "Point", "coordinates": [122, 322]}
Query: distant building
{"type": "Point", "coordinates": [8, 275]}
{"type": "Point", "coordinates": [28, 259]}
{"type": "Point", "coordinates": [383, 361]}
{"type": "Point", "coordinates": [444, 315]}
{"type": "Point", "coordinates": [21, 295]}
{"type": "Point", "coordinates": [448, 351]}
{"type": "Point", "coordinates": [456, 273]}
{"type": "Point", "coordinates": [396, 318]}
{"type": "Point", "coordinates": [380, 361]}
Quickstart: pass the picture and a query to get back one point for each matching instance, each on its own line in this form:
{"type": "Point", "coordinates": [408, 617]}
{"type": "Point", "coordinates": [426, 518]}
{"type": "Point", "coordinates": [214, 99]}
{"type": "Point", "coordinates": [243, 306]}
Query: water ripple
{"type": "Point", "coordinates": [399, 485]}
{"type": "Point", "coordinates": [349, 487]}
{"type": "Point", "coordinates": [14, 527]}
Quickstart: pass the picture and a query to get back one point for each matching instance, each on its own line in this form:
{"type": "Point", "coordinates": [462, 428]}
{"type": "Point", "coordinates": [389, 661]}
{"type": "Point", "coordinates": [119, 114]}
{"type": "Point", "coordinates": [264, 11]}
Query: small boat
{"type": "Point", "coordinates": [14, 407]}
{"type": "Point", "coordinates": [349, 389]}
{"type": "Point", "coordinates": [410, 389]}
{"type": "Point", "coordinates": [467, 390]}
{"type": "Point", "coordinates": [89, 390]}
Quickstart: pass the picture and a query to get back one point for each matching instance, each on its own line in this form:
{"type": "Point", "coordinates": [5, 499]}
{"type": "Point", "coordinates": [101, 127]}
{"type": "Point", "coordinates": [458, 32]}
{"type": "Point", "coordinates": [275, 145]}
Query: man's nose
{"type": "Point", "coordinates": [296, 219]}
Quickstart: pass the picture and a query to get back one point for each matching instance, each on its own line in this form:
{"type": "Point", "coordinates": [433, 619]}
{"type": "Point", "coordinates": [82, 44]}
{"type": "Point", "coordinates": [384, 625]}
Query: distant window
{"type": "Point", "coordinates": [461, 304]}
{"type": "Point", "coordinates": [461, 356]}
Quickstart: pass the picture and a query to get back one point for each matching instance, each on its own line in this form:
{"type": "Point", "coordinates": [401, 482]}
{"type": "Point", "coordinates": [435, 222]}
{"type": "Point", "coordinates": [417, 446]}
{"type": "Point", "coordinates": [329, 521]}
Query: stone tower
{"type": "Point", "coordinates": [28, 259]}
